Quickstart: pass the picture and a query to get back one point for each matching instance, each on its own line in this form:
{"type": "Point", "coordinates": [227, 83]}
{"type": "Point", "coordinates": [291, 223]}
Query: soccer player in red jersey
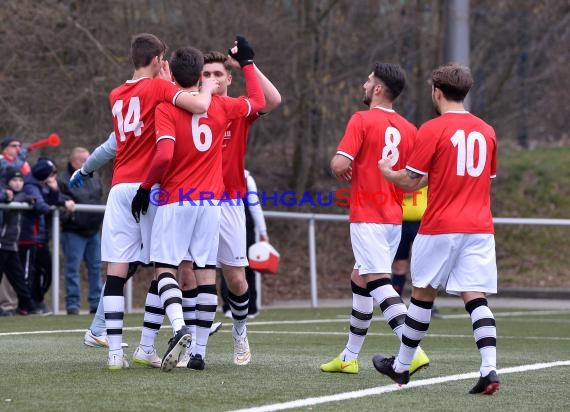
{"type": "Point", "coordinates": [188, 164]}
{"type": "Point", "coordinates": [232, 251]}
{"type": "Point", "coordinates": [133, 105]}
{"type": "Point", "coordinates": [375, 209]}
{"type": "Point", "coordinates": [455, 247]}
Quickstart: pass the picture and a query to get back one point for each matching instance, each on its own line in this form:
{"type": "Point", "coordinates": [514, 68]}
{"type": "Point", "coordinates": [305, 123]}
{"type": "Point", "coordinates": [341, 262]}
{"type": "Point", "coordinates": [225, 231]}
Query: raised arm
{"type": "Point", "coordinates": [103, 154]}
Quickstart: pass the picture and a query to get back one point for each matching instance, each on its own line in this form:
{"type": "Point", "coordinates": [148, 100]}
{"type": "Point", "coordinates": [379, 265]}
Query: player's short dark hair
{"type": "Point", "coordinates": [454, 80]}
{"type": "Point", "coordinates": [186, 64]}
{"type": "Point", "coordinates": [393, 77]}
{"type": "Point", "coordinates": [217, 57]}
{"type": "Point", "coordinates": [144, 48]}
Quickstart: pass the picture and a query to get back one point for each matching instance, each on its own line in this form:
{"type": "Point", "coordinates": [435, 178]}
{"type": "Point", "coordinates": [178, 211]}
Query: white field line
{"type": "Point", "coordinates": [301, 403]}
{"type": "Point", "coordinates": [289, 332]}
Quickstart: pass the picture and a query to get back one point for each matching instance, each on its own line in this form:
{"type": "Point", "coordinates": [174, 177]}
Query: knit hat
{"type": "Point", "coordinates": [7, 140]}
{"type": "Point", "coordinates": [12, 173]}
{"type": "Point", "coordinates": [43, 169]}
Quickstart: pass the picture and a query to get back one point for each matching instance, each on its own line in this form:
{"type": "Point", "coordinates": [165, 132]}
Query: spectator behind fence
{"type": "Point", "coordinates": [10, 263]}
{"type": "Point", "coordinates": [81, 237]}
{"type": "Point", "coordinates": [13, 155]}
{"type": "Point", "coordinates": [42, 186]}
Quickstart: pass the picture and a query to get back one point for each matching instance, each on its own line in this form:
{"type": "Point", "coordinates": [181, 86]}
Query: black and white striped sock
{"type": "Point", "coordinates": [415, 328]}
{"type": "Point", "coordinates": [206, 304]}
{"type": "Point", "coordinates": [171, 298]}
{"type": "Point", "coordinates": [189, 309]}
{"type": "Point", "coordinates": [360, 320]}
{"type": "Point", "coordinates": [153, 318]}
{"type": "Point", "coordinates": [239, 306]}
{"type": "Point", "coordinates": [485, 333]}
{"type": "Point", "coordinates": [391, 304]}
{"type": "Point", "coordinates": [114, 307]}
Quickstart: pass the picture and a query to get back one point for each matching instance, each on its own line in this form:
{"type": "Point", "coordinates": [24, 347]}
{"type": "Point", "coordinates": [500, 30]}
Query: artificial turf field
{"type": "Point", "coordinates": [44, 366]}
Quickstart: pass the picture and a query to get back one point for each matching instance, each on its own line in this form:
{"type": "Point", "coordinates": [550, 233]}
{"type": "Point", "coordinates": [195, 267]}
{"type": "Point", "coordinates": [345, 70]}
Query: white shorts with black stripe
{"type": "Point", "coordinates": [456, 262]}
{"type": "Point", "coordinates": [374, 246]}
{"type": "Point", "coordinates": [123, 239]}
{"type": "Point", "coordinates": [232, 250]}
{"type": "Point", "coordinates": [185, 232]}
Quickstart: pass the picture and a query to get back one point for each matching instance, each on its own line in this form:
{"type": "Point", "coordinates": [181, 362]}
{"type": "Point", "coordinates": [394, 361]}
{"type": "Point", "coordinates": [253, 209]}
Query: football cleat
{"type": "Point", "coordinates": [196, 362]}
{"type": "Point", "coordinates": [140, 357]}
{"type": "Point", "coordinates": [242, 354]}
{"type": "Point", "coordinates": [176, 345]}
{"type": "Point", "coordinates": [98, 341]}
{"type": "Point", "coordinates": [184, 359]}
{"type": "Point", "coordinates": [419, 362]}
{"type": "Point", "coordinates": [386, 367]}
{"type": "Point", "coordinates": [117, 362]}
{"type": "Point", "coordinates": [216, 326]}
{"type": "Point", "coordinates": [487, 385]}
{"type": "Point", "coordinates": [338, 365]}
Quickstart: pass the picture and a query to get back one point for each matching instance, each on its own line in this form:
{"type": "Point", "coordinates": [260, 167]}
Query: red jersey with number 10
{"type": "Point", "coordinates": [133, 104]}
{"type": "Point", "coordinates": [195, 170]}
{"type": "Point", "coordinates": [371, 135]}
{"type": "Point", "coordinates": [458, 152]}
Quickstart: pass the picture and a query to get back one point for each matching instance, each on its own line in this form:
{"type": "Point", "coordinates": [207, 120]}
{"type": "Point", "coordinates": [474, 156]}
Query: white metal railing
{"type": "Point", "coordinates": [311, 218]}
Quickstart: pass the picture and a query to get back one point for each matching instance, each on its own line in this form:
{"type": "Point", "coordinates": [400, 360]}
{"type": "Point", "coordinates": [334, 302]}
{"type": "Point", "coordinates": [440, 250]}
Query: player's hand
{"type": "Point", "coordinates": [210, 85]}
{"type": "Point", "coordinates": [164, 72]}
{"type": "Point", "coordinates": [77, 178]}
{"type": "Point", "coordinates": [244, 53]}
{"type": "Point", "coordinates": [233, 62]}
{"type": "Point", "coordinates": [140, 203]}
{"type": "Point", "coordinates": [346, 176]}
{"type": "Point", "coordinates": [384, 164]}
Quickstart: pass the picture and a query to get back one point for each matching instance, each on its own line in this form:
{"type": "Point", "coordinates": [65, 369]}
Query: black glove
{"type": "Point", "coordinates": [140, 203]}
{"type": "Point", "coordinates": [244, 55]}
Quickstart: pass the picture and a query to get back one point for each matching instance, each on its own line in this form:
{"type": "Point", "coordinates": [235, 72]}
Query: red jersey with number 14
{"type": "Point", "coordinates": [133, 104]}
{"type": "Point", "coordinates": [458, 152]}
{"type": "Point", "coordinates": [195, 170]}
{"type": "Point", "coordinates": [371, 135]}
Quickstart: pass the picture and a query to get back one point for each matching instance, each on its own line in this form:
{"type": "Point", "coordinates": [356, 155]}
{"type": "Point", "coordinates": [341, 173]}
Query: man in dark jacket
{"type": "Point", "coordinates": [10, 263]}
{"type": "Point", "coordinates": [81, 237]}
{"type": "Point", "coordinates": [41, 184]}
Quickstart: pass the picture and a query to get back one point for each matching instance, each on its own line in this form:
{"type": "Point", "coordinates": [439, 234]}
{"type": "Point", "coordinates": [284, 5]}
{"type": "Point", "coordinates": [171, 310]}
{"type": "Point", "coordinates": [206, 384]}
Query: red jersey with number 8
{"type": "Point", "coordinates": [458, 152]}
{"type": "Point", "coordinates": [371, 135]}
{"type": "Point", "coordinates": [133, 104]}
{"type": "Point", "coordinates": [195, 171]}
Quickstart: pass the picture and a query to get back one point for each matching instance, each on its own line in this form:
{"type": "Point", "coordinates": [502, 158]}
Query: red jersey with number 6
{"type": "Point", "coordinates": [133, 104]}
{"type": "Point", "coordinates": [458, 152]}
{"type": "Point", "coordinates": [195, 170]}
{"type": "Point", "coordinates": [371, 135]}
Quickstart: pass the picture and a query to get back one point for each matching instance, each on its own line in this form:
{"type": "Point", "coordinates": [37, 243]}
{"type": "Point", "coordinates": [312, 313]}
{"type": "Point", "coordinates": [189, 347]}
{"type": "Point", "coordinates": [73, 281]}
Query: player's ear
{"type": "Point", "coordinates": [229, 79]}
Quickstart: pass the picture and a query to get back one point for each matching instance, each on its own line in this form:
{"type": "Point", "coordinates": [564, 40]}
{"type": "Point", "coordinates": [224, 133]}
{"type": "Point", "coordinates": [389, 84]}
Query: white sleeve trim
{"type": "Point", "coordinates": [248, 108]}
{"type": "Point", "coordinates": [176, 96]}
{"type": "Point", "coordinates": [166, 137]}
{"type": "Point", "coordinates": [416, 170]}
{"type": "Point", "coordinates": [345, 155]}
{"type": "Point", "coordinates": [493, 176]}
